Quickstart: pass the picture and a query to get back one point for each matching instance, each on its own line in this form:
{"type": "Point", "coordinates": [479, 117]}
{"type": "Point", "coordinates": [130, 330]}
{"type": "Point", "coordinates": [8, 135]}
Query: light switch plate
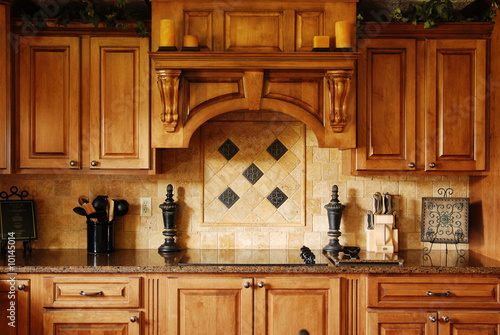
{"type": "Point", "coordinates": [145, 206]}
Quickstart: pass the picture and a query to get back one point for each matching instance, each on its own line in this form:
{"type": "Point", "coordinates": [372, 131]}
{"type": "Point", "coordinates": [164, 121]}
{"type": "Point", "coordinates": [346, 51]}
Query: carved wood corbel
{"type": "Point", "coordinates": [168, 83]}
{"type": "Point", "coordinates": [339, 84]}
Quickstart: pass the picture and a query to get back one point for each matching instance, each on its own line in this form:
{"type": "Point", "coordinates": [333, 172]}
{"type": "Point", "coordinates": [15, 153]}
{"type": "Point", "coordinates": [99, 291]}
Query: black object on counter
{"type": "Point", "coordinates": [100, 236]}
{"type": "Point", "coordinates": [169, 208]}
{"type": "Point", "coordinates": [307, 255]}
{"type": "Point", "coordinates": [334, 210]}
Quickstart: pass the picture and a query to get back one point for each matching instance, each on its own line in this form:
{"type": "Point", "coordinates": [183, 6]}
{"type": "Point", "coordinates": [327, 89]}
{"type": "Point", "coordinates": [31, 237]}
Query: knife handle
{"type": "Point", "coordinates": [387, 203]}
{"type": "Point", "coordinates": [377, 202]}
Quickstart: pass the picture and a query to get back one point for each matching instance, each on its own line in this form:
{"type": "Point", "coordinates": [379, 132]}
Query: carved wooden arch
{"type": "Point", "coordinates": [241, 104]}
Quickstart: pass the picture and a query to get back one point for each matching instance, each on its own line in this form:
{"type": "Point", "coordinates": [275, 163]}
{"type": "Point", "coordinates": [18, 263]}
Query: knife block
{"type": "Point", "coordinates": [383, 237]}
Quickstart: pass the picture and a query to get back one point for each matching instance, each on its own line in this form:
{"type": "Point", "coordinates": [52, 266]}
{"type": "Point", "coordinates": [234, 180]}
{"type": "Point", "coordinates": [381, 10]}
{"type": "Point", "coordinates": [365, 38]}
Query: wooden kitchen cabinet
{"type": "Point", "coordinates": [422, 101]}
{"type": "Point", "coordinates": [83, 103]}
{"type": "Point", "coordinates": [433, 305]}
{"type": "Point", "coordinates": [267, 305]}
{"type": "Point", "coordinates": [20, 296]}
{"type": "Point", "coordinates": [5, 88]}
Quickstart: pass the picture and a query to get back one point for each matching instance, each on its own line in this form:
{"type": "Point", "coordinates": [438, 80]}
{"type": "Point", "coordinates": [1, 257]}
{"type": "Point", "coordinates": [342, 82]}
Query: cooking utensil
{"type": "Point", "coordinates": [80, 211]}
{"type": "Point", "coordinates": [89, 209]}
{"type": "Point", "coordinates": [370, 219]}
{"type": "Point", "coordinates": [111, 209]}
{"type": "Point", "coordinates": [387, 203]}
{"type": "Point", "coordinates": [100, 216]}
{"type": "Point", "coordinates": [377, 203]}
{"type": "Point", "coordinates": [121, 207]}
{"type": "Point", "coordinates": [100, 202]}
{"type": "Point", "coordinates": [83, 200]}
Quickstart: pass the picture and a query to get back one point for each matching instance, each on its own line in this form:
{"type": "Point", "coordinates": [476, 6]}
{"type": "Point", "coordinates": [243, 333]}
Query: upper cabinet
{"type": "Point", "coordinates": [5, 88]}
{"type": "Point", "coordinates": [83, 103]}
{"type": "Point", "coordinates": [422, 100]}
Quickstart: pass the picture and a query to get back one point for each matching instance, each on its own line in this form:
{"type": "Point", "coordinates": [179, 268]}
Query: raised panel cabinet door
{"type": "Point", "coordinates": [119, 103]}
{"type": "Point", "coordinates": [469, 322]}
{"type": "Point", "coordinates": [209, 306]}
{"type": "Point", "coordinates": [64, 322]}
{"type": "Point", "coordinates": [14, 307]}
{"type": "Point", "coordinates": [392, 322]}
{"type": "Point", "coordinates": [288, 305]}
{"type": "Point", "coordinates": [455, 91]}
{"type": "Point", "coordinates": [386, 105]}
{"type": "Point", "coordinates": [49, 102]}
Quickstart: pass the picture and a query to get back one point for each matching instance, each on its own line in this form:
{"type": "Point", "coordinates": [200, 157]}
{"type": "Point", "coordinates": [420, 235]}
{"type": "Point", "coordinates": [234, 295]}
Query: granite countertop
{"type": "Point", "coordinates": [235, 261]}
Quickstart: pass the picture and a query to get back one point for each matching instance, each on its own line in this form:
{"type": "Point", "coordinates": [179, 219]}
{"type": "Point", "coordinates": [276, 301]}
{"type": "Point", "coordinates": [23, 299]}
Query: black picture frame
{"type": "Point", "coordinates": [18, 216]}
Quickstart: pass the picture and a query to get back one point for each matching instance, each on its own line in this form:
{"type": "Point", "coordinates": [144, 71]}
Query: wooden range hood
{"type": "Point", "coordinates": [272, 68]}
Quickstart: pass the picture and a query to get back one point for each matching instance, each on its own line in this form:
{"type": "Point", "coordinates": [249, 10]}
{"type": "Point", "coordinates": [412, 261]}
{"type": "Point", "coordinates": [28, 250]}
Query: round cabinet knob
{"type": "Point", "coordinates": [93, 163]}
{"type": "Point", "coordinates": [21, 287]}
{"type": "Point", "coordinates": [133, 319]}
{"type": "Point", "coordinates": [446, 319]}
{"type": "Point", "coordinates": [411, 165]}
{"type": "Point", "coordinates": [432, 165]}
{"type": "Point", "coordinates": [432, 318]}
{"type": "Point", "coordinates": [260, 284]}
{"type": "Point", "coordinates": [72, 163]}
{"type": "Point", "coordinates": [246, 285]}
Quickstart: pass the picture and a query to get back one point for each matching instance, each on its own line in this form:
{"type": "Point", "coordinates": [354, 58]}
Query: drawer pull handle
{"type": "Point", "coordinates": [133, 319]}
{"type": "Point", "coordinates": [432, 318]}
{"type": "Point", "coordinates": [90, 293]}
{"type": "Point", "coordinates": [446, 319]}
{"type": "Point", "coordinates": [260, 284]}
{"type": "Point", "coordinates": [439, 294]}
{"type": "Point", "coordinates": [246, 285]}
{"type": "Point", "coordinates": [21, 287]}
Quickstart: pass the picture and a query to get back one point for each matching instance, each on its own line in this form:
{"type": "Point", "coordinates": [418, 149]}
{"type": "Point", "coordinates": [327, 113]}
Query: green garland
{"type": "Point", "coordinates": [433, 11]}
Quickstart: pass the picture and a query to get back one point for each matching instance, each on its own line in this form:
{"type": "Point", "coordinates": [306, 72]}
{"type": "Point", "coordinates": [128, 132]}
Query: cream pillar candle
{"type": "Point", "coordinates": [167, 33]}
{"type": "Point", "coordinates": [321, 42]}
{"type": "Point", "coordinates": [190, 41]}
{"type": "Point", "coordinates": [343, 31]}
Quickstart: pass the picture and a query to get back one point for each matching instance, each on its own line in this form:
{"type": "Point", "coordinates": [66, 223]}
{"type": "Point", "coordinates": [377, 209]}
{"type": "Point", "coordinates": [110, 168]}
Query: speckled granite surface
{"type": "Point", "coordinates": [235, 261]}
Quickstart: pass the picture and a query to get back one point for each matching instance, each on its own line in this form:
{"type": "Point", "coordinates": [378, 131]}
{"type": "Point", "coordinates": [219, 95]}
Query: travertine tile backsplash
{"type": "Point", "coordinates": [59, 227]}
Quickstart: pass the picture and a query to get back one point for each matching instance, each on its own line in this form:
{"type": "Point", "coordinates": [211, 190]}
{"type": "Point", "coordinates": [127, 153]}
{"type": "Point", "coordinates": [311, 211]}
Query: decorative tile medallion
{"type": "Point", "coordinates": [253, 174]}
{"type": "Point", "coordinates": [277, 197]}
{"type": "Point", "coordinates": [228, 149]}
{"type": "Point", "coordinates": [259, 180]}
{"type": "Point", "coordinates": [228, 197]}
{"type": "Point", "coordinates": [277, 149]}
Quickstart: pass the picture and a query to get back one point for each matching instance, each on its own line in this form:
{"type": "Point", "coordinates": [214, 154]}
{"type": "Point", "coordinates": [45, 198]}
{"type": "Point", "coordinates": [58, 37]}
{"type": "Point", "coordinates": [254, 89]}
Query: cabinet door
{"type": "Point", "coordinates": [210, 306]}
{"type": "Point", "coordinates": [91, 322]}
{"type": "Point", "coordinates": [401, 322]}
{"type": "Point", "coordinates": [15, 307]}
{"type": "Point", "coordinates": [288, 305]}
{"type": "Point", "coordinates": [4, 88]}
{"type": "Point", "coordinates": [469, 322]}
{"type": "Point", "coordinates": [455, 105]}
{"type": "Point", "coordinates": [386, 105]}
{"type": "Point", "coordinates": [49, 102]}
{"type": "Point", "coordinates": [119, 103]}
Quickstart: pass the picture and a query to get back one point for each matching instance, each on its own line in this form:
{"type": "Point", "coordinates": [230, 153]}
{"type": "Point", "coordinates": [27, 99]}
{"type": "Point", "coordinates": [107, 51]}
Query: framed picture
{"type": "Point", "coordinates": [17, 218]}
{"type": "Point", "coordinates": [445, 220]}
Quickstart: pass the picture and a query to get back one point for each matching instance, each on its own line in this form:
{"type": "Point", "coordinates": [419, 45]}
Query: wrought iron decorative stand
{"type": "Point", "coordinates": [169, 209]}
{"type": "Point", "coordinates": [5, 196]}
{"type": "Point", "coordinates": [431, 236]}
{"type": "Point", "coordinates": [334, 210]}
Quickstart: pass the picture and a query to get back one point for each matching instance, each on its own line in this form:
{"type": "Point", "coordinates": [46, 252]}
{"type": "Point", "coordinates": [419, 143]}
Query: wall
{"type": "Point", "coordinates": [59, 227]}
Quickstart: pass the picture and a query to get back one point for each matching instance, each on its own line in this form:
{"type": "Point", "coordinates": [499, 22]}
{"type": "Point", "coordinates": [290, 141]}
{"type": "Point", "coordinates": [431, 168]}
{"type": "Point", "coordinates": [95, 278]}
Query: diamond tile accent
{"type": "Point", "coordinates": [277, 197]}
{"type": "Point", "coordinates": [277, 149]}
{"type": "Point", "coordinates": [228, 197]}
{"type": "Point", "coordinates": [228, 149]}
{"type": "Point", "coordinates": [253, 174]}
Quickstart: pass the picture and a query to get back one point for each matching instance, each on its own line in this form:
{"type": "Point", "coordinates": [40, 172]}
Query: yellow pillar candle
{"type": "Point", "coordinates": [343, 31]}
{"type": "Point", "coordinates": [321, 42]}
{"type": "Point", "coordinates": [167, 33]}
{"type": "Point", "coordinates": [190, 41]}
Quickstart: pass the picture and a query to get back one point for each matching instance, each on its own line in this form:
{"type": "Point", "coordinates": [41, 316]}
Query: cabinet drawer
{"type": "Point", "coordinates": [92, 292]}
{"type": "Point", "coordinates": [449, 292]}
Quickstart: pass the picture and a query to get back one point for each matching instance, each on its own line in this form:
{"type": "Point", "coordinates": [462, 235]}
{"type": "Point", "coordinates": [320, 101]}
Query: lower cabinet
{"type": "Point", "coordinates": [432, 322]}
{"type": "Point", "coordinates": [91, 322]}
{"type": "Point", "coordinates": [263, 305]}
{"type": "Point", "coordinates": [14, 306]}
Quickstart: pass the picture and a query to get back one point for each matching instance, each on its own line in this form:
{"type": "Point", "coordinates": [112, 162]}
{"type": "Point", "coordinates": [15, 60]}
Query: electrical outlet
{"type": "Point", "coordinates": [145, 206]}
